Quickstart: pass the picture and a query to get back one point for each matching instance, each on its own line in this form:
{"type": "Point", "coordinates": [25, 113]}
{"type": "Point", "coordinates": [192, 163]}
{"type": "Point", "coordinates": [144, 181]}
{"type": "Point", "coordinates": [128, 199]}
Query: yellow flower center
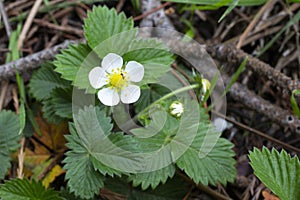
{"type": "Point", "coordinates": [117, 79]}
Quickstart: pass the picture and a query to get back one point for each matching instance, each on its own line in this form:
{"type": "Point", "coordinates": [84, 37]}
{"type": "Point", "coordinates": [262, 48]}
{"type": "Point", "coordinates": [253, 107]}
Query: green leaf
{"type": "Point", "coordinates": [155, 58]}
{"type": "Point", "coordinates": [22, 189]}
{"type": "Point", "coordinates": [5, 164]}
{"type": "Point", "coordinates": [83, 180]}
{"type": "Point", "coordinates": [108, 32]}
{"type": "Point", "coordinates": [278, 171]}
{"type": "Point", "coordinates": [194, 147]}
{"type": "Point", "coordinates": [44, 80]}
{"type": "Point", "coordinates": [67, 195]}
{"type": "Point", "coordinates": [160, 164]}
{"type": "Point", "coordinates": [9, 138]}
{"type": "Point", "coordinates": [125, 142]}
{"type": "Point", "coordinates": [294, 103]}
{"type": "Point", "coordinates": [61, 100]}
{"type": "Point", "coordinates": [173, 189]}
{"type": "Point", "coordinates": [75, 63]}
{"type": "Point", "coordinates": [49, 112]}
{"type": "Point", "coordinates": [154, 178]}
{"type": "Point", "coordinates": [208, 160]}
{"type": "Point", "coordinates": [93, 128]}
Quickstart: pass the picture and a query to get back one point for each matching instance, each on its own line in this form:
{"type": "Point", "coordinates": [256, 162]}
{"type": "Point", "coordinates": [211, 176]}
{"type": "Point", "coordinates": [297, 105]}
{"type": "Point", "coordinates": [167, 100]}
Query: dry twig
{"type": "Point", "coordinates": [153, 10]}
{"type": "Point", "coordinates": [67, 29]}
{"type": "Point", "coordinates": [5, 19]}
{"type": "Point", "coordinates": [4, 84]}
{"type": "Point", "coordinates": [268, 5]}
{"type": "Point", "coordinates": [28, 22]}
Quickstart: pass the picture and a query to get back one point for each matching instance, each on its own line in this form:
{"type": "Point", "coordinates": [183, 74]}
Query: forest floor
{"type": "Point", "coordinates": [258, 103]}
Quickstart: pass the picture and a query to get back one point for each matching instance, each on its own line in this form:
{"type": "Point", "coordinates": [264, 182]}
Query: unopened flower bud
{"type": "Point", "coordinates": [176, 109]}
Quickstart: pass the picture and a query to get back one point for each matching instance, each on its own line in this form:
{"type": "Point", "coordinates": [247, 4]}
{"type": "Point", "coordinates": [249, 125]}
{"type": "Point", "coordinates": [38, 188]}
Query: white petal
{"type": "Point", "coordinates": [97, 77]}
{"type": "Point", "coordinates": [135, 71]}
{"type": "Point", "coordinates": [130, 94]}
{"type": "Point", "coordinates": [108, 97]}
{"type": "Point", "coordinates": [112, 61]}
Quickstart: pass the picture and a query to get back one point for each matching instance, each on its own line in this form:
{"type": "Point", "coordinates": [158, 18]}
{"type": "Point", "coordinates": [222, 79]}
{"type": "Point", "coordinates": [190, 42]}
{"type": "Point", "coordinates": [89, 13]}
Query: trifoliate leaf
{"type": "Point", "coordinates": [160, 147]}
{"type": "Point", "coordinates": [208, 160]}
{"type": "Point", "coordinates": [75, 63]}
{"type": "Point", "coordinates": [93, 128]}
{"type": "Point", "coordinates": [83, 180]}
{"type": "Point", "coordinates": [278, 171]}
{"type": "Point", "coordinates": [44, 80]}
{"type": "Point", "coordinates": [9, 138]}
{"type": "Point", "coordinates": [155, 58]}
{"type": "Point", "coordinates": [160, 159]}
{"type": "Point", "coordinates": [108, 32]}
{"type": "Point", "coordinates": [22, 189]}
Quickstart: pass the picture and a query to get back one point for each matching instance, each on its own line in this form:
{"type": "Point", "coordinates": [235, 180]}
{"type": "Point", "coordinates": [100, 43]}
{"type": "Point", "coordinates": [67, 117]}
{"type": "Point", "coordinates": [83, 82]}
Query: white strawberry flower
{"type": "Point", "coordinates": [115, 81]}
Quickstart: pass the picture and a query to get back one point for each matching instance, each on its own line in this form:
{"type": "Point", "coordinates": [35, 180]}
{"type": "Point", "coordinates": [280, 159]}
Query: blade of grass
{"type": "Point", "coordinates": [213, 2]}
{"type": "Point", "coordinates": [292, 21]}
{"type": "Point", "coordinates": [233, 4]}
{"type": "Point", "coordinates": [136, 4]}
{"type": "Point", "coordinates": [22, 112]}
{"type": "Point", "coordinates": [12, 46]}
{"type": "Point", "coordinates": [11, 56]}
{"type": "Point", "coordinates": [294, 104]}
{"type": "Point", "coordinates": [231, 82]}
{"type": "Point", "coordinates": [212, 86]}
{"type": "Point", "coordinates": [236, 75]}
{"type": "Point", "coordinates": [30, 116]}
{"type": "Point", "coordinates": [214, 6]}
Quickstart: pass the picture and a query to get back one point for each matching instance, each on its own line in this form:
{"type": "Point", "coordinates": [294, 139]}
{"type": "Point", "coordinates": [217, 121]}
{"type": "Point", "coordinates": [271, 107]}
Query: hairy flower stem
{"type": "Point", "coordinates": [183, 89]}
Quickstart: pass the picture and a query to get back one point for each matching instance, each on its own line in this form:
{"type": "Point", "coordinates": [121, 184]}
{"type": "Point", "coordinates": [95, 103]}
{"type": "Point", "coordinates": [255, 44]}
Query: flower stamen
{"type": "Point", "coordinates": [117, 79]}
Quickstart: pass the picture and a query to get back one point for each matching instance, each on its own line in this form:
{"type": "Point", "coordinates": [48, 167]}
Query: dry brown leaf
{"type": "Point", "coordinates": [268, 196]}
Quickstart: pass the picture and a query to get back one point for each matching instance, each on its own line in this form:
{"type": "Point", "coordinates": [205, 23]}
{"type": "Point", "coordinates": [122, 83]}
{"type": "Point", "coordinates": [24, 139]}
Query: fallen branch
{"type": "Point", "coordinates": [231, 54]}
{"type": "Point", "coordinates": [31, 62]}
{"type": "Point", "coordinates": [277, 114]}
{"type": "Point", "coordinates": [157, 18]}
